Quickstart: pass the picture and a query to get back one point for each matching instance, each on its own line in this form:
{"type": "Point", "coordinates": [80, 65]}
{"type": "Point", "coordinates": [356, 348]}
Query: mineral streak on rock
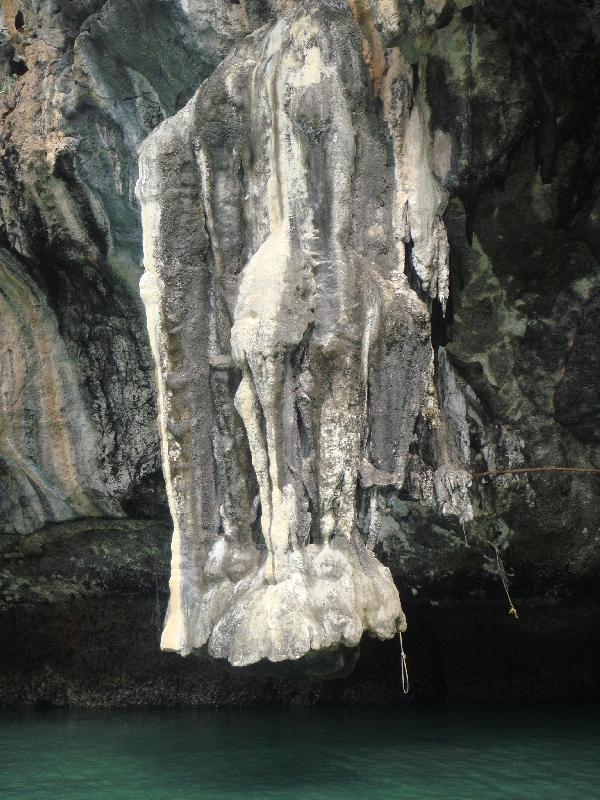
{"type": "Point", "coordinates": [293, 244]}
{"type": "Point", "coordinates": [46, 438]}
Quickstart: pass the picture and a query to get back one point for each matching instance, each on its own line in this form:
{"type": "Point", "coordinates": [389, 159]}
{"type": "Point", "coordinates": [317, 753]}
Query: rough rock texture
{"type": "Point", "coordinates": [81, 85]}
{"type": "Point", "coordinates": [294, 356]}
{"type": "Point", "coordinates": [506, 99]}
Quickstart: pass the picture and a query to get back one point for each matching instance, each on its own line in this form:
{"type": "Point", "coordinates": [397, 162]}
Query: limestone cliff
{"type": "Point", "coordinates": [81, 85]}
{"type": "Point", "coordinates": [381, 222]}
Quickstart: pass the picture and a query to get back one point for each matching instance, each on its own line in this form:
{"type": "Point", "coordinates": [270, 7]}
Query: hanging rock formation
{"type": "Point", "coordinates": [293, 242]}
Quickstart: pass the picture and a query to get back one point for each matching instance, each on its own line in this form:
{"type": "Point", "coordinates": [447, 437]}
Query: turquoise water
{"type": "Point", "coordinates": [404, 754]}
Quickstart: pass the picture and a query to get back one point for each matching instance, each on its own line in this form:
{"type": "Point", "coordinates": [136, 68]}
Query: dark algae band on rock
{"type": "Point", "coordinates": [368, 236]}
{"type": "Point", "coordinates": [83, 605]}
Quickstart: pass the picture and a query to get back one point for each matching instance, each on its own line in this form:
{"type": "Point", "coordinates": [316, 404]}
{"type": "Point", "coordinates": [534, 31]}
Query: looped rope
{"type": "Point", "coordinates": [405, 679]}
{"type": "Point", "coordinates": [502, 572]}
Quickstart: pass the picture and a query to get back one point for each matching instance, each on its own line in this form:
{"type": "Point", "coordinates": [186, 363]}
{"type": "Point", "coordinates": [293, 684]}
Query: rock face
{"type": "Point", "coordinates": [47, 437]}
{"type": "Point", "coordinates": [383, 216]}
{"type": "Point", "coordinates": [81, 85]}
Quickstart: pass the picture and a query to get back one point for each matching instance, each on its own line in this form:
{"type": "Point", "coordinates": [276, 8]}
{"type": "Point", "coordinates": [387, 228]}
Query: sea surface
{"type": "Point", "coordinates": [410, 753]}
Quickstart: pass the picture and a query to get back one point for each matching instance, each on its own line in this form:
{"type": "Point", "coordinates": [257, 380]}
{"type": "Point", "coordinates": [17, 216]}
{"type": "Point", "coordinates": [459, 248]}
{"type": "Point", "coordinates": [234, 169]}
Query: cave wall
{"type": "Point", "coordinates": [82, 85]}
{"type": "Point", "coordinates": [512, 97]}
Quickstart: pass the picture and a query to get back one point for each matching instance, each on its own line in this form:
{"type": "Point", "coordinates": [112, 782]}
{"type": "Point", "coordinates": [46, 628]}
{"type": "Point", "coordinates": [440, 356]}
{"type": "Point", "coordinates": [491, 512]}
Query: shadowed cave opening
{"type": "Point", "coordinates": [18, 67]}
{"type": "Point", "coordinates": [79, 654]}
{"type": "Point", "coordinates": [441, 323]}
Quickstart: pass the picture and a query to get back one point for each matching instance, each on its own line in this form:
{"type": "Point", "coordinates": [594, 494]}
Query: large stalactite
{"type": "Point", "coordinates": [293, 245]}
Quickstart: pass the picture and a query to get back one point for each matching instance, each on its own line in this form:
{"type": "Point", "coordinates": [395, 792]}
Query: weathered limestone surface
{"type": "Point", "coordinates": [81, 85]}
{"type": "Point", "coordinates": [284, 221]}
{"type": "Point", "coordinates": [480, 119]}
